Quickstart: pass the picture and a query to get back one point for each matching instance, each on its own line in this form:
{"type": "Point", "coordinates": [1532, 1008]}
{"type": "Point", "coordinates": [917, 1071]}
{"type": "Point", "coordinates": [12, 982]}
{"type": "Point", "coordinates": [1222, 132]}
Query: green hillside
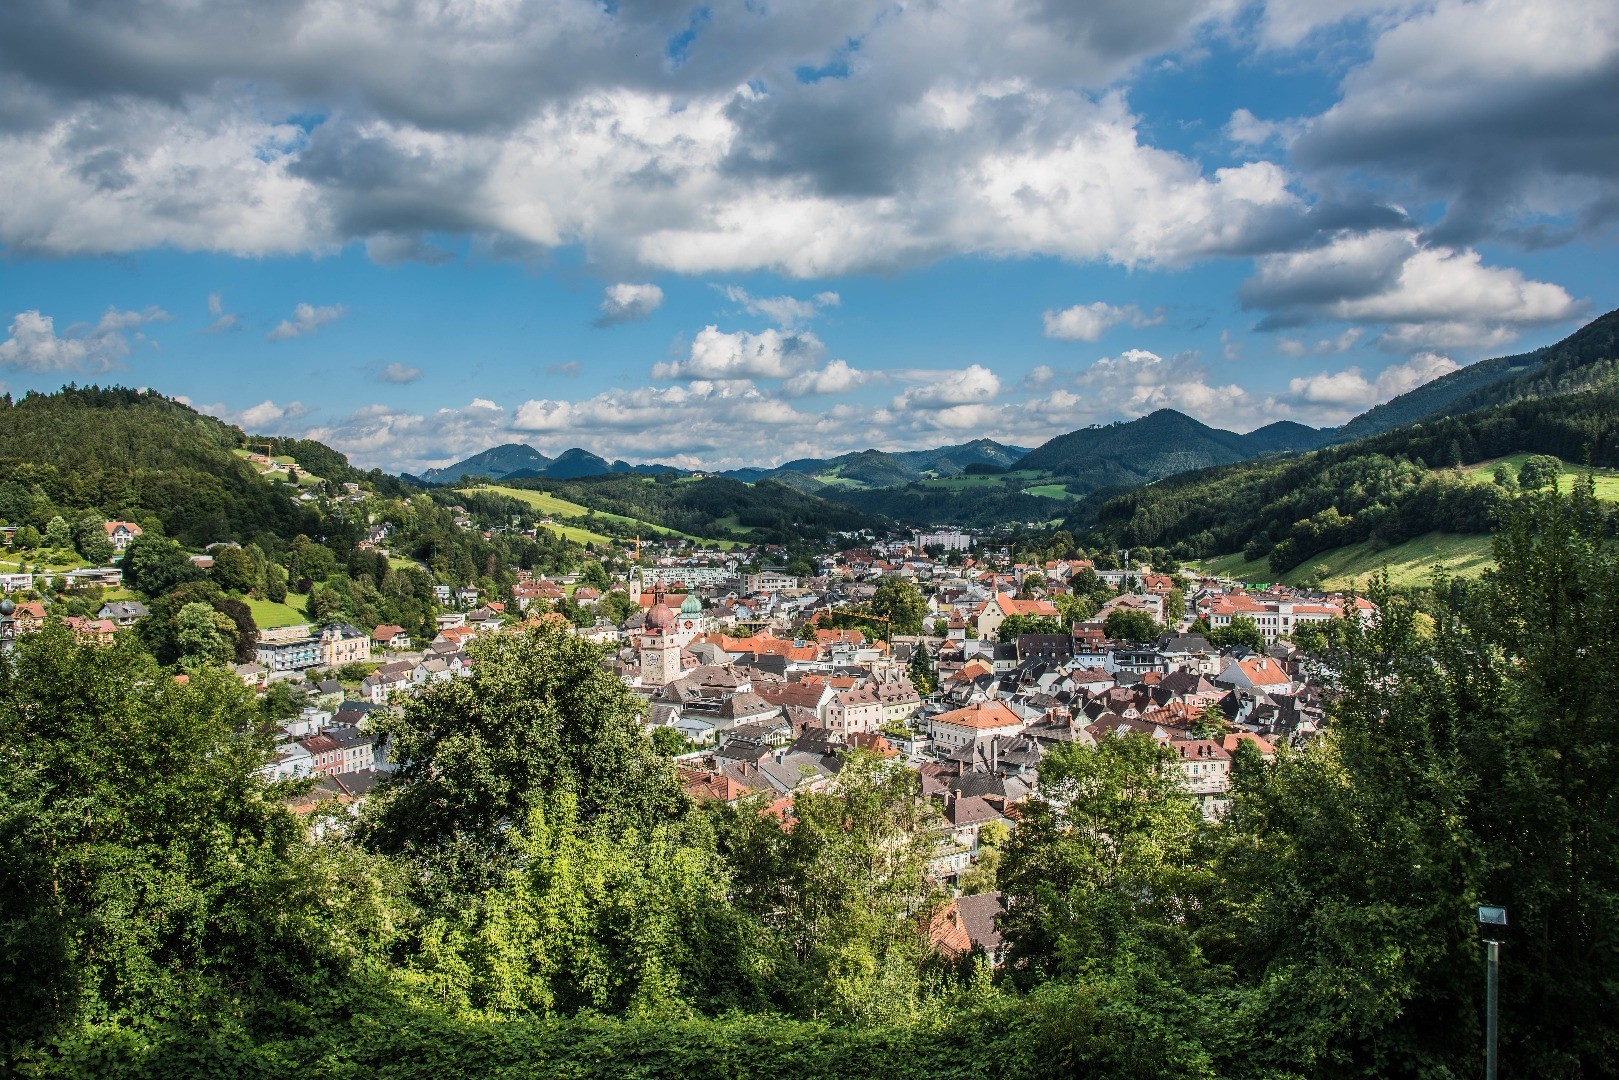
{"type": "Point", "coordinates": [1072, 466]}
{"type": "Point", "coordinates": [1384, 489]}
{"type": "Point", "coordinates": [706, 509]}
{"type": "Point", "coordinates": [881, 468]}
{"type": "Point", "coordinates": [1585, 359]}
{"type": "Point", "coordinates": [136, 455]}
{"type": "Point", "coordinates": [1605, 481]}
{"type": "Point", "coordinates": [1410, 563]}
{"type": "Point", "coordinates": [574, 519]}
{"type": "Point", "coordinates": [268, 614]}
{"type": "Point", "coordinates": [1138, 451]}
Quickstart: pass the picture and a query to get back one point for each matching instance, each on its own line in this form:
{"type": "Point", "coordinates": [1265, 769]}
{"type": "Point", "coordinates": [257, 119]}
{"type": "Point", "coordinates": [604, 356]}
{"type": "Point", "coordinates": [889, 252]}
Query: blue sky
{"type": "Point", "coordinates": [729, 234]}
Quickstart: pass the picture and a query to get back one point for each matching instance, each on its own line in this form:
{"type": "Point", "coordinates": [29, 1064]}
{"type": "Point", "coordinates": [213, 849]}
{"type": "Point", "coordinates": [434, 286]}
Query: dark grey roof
{"type": "Point", "coordinates": [978, 915]}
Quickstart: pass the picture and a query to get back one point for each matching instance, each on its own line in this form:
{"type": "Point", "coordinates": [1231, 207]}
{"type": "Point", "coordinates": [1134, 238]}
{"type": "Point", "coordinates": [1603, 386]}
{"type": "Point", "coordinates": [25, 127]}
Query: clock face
{"type": "Point", "coordinates": [688, 624]}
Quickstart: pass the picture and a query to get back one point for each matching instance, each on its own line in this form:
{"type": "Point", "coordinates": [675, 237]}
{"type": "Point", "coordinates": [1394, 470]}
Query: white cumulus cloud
{"type": "Point", "coordinates": [1088, 322]}
{"type": "Point", "coordinates": [628, 302]}
{"type": "Point", "coordinates": [400, 373]}
{"type": "Point", "coordinates": [34, 345]}
{"type": "Point", "coordinates": [1349, 391]}
{"type": "Point", "coordinates": [837, 377]}
{"type": "Point", "coordinates": [972, 385]}
{"type": "Point", "coordinates": [1425, 297]}
{"type": "Point", "coordinates": [306, 319]}
{"type": "Point", "coordinates": [716, 354]}
{"type": "Point", "coordinates": [786, 312]}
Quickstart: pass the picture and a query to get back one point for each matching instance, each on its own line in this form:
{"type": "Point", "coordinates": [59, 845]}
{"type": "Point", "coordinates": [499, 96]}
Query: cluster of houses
{"type": "Point", "coordinates": [738, 659]}
{"type": "Point", "coordinates": [771, 716]}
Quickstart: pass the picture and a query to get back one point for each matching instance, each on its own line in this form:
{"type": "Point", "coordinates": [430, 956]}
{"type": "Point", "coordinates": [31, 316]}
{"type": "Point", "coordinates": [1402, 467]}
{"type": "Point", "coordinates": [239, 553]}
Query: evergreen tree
{"type": "Point", "coordinates": [920, 671]}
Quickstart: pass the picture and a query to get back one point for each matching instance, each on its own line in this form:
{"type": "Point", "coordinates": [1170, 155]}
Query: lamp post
{"type": "Point", "coordinates": [1492, 920]}
{"type": "Point", "coordinates": [8, 625]}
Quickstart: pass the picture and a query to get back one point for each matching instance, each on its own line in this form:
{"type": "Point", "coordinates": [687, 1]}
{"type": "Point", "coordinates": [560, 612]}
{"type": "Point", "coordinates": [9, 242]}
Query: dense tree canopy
{"type": "Point", "coordinates": [539, 717]}
{"type": "Point", "coordinates": [146, 868]}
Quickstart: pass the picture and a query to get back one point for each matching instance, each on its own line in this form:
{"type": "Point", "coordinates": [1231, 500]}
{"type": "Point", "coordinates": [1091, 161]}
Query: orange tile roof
{"type": "Point", "coordinates": [1037, 608]}
{"type": "Point", "coordinates": [972, 669]}
{"type": "Point", "coordinates": [1237, 738]}
{"type": "Point", "coordinates": [981, 717]}
{"type": "Point", "coordinates": [1264, 672]}
{"type": "Point", "coordinates": [848, 636]}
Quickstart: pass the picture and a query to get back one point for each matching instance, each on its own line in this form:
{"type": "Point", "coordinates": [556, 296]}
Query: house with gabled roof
{"type": "Point", "coordinates": [1001, 606]}
{"type": "Point", "coordinates": [982, 720]}
{"type": "Point", "coordinates": [121, 533]}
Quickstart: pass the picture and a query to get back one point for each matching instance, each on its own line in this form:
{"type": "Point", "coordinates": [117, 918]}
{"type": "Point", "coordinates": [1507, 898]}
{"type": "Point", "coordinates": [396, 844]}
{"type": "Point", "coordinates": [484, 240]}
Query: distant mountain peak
{"type": "Point", "coordinates": [496, 462]}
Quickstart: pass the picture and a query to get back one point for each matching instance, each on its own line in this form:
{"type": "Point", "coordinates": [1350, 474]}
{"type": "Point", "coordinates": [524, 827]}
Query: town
{"type": "Point", "coordinates": [938, 650]}
{"type": "Point", "coordinates": [657, 540]}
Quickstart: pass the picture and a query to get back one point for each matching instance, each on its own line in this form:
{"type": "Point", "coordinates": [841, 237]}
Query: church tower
{"type": "Point", "coordinates": [660, 647]}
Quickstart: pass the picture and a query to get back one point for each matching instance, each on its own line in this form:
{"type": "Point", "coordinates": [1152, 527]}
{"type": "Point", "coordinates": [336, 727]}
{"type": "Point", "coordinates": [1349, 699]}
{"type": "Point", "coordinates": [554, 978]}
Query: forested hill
{"type": "Point", "coordinates": [1584, 359]}
{"type": "Point", "coordinates": [1388, 488]}
{"type": "Point", "coordinates": [1159, 444]}
{"type": "Point", "coordinates": [140, 456]}
{"type": "Point", "coordinates": [713, 506]}
{"type": "Point", "coordinates": [883, 468]}
{"type": "Point", "coordinates": [1142, 450]}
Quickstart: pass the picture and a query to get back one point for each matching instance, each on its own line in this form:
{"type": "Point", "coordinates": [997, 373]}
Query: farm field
{"type": "Point", "coordinates": [1607, 480]}
{"type": "Point", "coordinates": [1048, 491]}
{"type": "Point", "coordinates": [552, 506]}
{"type": "Point", "coordinates": [1410, 563]}
{"type": "Point", "coordinates": [963, 482]}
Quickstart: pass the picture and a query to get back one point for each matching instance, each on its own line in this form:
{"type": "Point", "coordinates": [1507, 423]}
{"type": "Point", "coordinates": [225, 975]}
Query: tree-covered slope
{"type": "Point", "coordinates": [496, 462]}
{"type": "Point", "coordinates": [984, 507]}
{"type": "Point", "coordinates": [1142, 450]}
{"type": "Point", "coordinates": [712, 506]}
{"type": "Point", "coordinates": [519, 461]}
{"type": "Point", "coordinates": [138, 455]}
{"type": "Point", "coordinates": [1584, 359]}
{"type": "Point", "coordinates": [885, 468]}
{"type": "Point", "coordinates": [1285, 436]}
{"type": "Point", "coordinates": [1384, 488]}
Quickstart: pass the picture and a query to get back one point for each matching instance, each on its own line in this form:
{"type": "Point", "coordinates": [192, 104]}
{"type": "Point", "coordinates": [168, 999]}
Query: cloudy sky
{"type": "Point", "coordinates": [737, 232]}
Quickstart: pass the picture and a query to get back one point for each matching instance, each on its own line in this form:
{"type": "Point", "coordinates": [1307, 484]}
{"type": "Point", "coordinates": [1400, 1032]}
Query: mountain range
{"type": "Point", "coordinates": [973, 482]}
{"type": "Point", "coordinates": [519, 461]}
{"type": "Point", "coordinates": [1425, 477]}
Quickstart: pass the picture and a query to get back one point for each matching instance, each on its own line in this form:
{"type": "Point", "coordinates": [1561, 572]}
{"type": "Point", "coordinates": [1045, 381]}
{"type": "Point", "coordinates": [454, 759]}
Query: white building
{"type": "Point", "coordinates": [961, 727]}
{"type": "Point", "coordinates": [949, 540]}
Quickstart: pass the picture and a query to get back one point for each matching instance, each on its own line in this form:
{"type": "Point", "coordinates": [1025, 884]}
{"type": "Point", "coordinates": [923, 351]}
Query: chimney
{"type": "Point", "coordinates": [994, 755]}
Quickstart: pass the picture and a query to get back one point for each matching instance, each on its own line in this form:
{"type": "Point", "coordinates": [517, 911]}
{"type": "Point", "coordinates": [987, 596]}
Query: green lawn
{"type": "Point", "coordinates": [305, 479]}
{"type": "Point", "coordinates": [552, 506]}
{"type": "Point", "coordinates": [1049, 491]}
{"type": "Point", "coordinates": [1410, 563]}
{"type": "Point", "coordinates": [1607, 480]}
{"type": "Point", "coordinates": [267, 614]}
{"type": "Point", "coordinates": [832, 479]}
{"type": "Point", "coordinates": [44, 560]}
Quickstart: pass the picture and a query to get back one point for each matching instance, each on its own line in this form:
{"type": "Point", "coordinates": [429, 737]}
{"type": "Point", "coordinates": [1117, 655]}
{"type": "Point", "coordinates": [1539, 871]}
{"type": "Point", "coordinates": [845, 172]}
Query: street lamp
{"type": "Point", "coordinates": [8, 624]}
{"type": "Point", "coordinates": [1492, 921]}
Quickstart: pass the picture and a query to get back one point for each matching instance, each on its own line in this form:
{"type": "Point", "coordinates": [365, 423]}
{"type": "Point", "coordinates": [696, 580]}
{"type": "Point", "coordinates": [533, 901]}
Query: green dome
{"type": "Point", "coordinates": [691, 605]}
